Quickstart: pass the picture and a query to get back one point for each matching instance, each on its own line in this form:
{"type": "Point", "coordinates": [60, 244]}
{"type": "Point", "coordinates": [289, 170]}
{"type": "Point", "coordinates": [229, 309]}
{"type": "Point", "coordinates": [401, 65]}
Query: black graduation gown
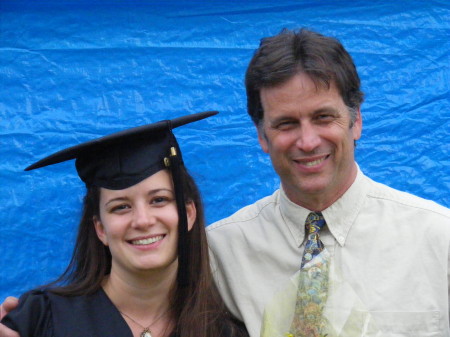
{"type": "Point", "coordinates": [44, 314]}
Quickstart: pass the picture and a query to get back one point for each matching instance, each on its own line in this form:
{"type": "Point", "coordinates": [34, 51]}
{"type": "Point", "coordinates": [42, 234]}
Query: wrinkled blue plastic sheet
{"type": "Point", "coordinates": [71, 71]}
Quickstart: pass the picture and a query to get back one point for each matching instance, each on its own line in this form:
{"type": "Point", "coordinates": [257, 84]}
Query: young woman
{"type": "Point", "coordinates": [140, 265]}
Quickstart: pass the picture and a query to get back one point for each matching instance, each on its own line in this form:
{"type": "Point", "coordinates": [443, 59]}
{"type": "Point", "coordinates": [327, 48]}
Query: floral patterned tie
{"type": "Point", "coordinates": [314, 223]}
{"type": "Point", "coordinates": [312, 290]}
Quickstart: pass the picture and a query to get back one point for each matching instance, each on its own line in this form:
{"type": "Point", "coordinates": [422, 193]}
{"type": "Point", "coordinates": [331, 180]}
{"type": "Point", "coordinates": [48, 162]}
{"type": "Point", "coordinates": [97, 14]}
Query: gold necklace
{"type": "Point", "coordinates": [146, 332]}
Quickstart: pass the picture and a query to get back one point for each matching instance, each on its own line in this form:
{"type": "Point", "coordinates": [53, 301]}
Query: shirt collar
{"type": "Point", "coordinates": [340, 216]}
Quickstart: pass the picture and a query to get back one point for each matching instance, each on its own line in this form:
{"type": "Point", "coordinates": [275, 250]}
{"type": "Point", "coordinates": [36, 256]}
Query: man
{"type": "Point", "coordinates": [389, 250]}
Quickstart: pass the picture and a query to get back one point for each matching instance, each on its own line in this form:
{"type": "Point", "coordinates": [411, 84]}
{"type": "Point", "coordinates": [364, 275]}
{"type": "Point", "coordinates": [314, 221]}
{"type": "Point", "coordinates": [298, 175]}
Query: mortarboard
{"type": "Point", "coordinates": [125, 158]}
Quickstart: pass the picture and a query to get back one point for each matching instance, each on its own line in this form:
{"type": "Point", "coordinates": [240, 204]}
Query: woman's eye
{"type": "Point", "coordinates": [159, 200]}
{"type": "Point", "coordinates": [119, 208]}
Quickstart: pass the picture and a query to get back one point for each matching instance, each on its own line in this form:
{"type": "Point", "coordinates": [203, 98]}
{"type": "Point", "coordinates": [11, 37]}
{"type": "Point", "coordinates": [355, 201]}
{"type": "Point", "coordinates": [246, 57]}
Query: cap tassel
{"type": "Point", "coordinates": [183, 251]}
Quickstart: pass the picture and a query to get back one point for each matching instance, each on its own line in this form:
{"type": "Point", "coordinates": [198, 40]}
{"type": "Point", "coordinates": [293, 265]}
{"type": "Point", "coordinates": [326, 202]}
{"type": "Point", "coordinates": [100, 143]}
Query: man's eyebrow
{"type": "Point", "coordinates": [327, 109]}
{"type": "Point", "coordinates": [279, 119]}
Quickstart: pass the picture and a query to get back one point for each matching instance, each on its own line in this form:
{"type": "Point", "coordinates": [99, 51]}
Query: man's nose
{"type": "Point", "coordinates": [308, 138]}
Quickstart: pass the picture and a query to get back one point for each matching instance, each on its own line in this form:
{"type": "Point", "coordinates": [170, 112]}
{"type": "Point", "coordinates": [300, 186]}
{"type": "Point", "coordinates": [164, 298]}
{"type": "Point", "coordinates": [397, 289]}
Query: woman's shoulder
{"type": "Point", "coordinates": [35, 301]}
{"type": "Point", "coordinates": [34, 297]}
{"type": "Point", "coordinates": [45, 313]}
{"type": "Point", "coordinates": [33, 314]}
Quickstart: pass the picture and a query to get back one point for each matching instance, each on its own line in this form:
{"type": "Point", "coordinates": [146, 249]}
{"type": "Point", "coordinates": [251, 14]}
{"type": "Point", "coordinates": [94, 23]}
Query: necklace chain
{"type": "Point", "coordinates": [146, 332]}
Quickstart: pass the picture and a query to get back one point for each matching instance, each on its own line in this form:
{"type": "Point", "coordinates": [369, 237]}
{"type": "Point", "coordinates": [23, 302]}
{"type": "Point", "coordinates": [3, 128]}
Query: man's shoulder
{"type": "Point", "coordinates": [404, 199]}
{"type": "Point", "coordinates": [247, 214]}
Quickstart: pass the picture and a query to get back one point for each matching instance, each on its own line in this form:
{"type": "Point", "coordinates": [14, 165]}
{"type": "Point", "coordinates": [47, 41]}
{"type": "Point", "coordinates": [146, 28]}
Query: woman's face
{"type": "Point", "coordinates": [139, 224]}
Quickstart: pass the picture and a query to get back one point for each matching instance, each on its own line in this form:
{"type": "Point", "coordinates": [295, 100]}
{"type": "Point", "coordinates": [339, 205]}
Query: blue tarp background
{"type": "Point", "coordinates": [71, 71]}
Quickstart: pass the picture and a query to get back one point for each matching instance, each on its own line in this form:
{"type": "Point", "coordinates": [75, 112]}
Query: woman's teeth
{"type": "Point", "coordinates": [147, 241]}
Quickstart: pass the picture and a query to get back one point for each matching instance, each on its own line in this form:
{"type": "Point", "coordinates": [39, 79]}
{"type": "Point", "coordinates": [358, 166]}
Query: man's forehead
{"type": "Point", "coordinates": [307, 80]}
{"type": "Point", "coordinates": [298, 88]}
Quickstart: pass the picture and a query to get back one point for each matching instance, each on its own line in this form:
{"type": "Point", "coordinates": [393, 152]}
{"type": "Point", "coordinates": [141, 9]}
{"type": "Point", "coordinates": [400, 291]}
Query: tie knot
{"type": "Point", "coordinates": [314, 222]}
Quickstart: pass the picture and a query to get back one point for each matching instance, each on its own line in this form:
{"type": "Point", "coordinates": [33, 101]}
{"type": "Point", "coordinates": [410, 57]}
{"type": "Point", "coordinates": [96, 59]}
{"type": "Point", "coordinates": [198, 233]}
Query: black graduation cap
{"type": "Point", "coordinates": [125, 158]}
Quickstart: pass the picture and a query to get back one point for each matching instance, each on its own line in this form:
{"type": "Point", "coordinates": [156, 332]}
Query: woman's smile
{"type": "Point", "coordinates": [147, 241]}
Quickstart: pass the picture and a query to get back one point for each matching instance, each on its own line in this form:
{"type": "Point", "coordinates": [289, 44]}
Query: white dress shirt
{"type": "Point", "coordinates": [391, 249]}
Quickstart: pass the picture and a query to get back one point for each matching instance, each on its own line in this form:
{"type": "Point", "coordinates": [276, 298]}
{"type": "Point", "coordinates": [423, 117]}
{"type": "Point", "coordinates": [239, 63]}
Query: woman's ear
{"type": "Point", "coordinates": [100, 230]}
{"type": "Point", "coordinates": [191, 212]}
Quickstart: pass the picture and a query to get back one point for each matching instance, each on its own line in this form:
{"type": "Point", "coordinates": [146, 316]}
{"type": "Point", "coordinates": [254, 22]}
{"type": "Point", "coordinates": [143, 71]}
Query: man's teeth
{"type": "Point", "coordinates": [314, 162]}
{"type": "Point", "coordinates": [147, 241]}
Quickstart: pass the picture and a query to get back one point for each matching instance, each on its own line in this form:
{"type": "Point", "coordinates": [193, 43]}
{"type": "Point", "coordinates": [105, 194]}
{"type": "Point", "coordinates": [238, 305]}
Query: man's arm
{"type": "Point", "coordinates": [8, 304]}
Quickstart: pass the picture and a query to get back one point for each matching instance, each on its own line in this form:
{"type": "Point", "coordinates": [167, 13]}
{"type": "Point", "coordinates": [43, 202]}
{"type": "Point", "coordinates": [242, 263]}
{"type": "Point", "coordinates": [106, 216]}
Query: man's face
{"type": "Point", "coordinates": [308, 134]}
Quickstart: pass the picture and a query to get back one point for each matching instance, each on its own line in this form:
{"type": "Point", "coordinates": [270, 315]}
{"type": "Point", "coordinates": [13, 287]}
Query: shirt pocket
{"type": "Point", "coordinates": [409, 324]}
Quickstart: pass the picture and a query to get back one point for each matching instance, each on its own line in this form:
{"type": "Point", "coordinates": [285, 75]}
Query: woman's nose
{"type": "Point", "coordinates": [142, 217]}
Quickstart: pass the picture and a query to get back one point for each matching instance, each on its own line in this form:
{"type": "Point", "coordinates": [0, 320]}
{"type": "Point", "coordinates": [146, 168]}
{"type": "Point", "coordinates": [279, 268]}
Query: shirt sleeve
{"type": "Point", "coordinates": [448, 282]}
{"type": "Point", "coordinates": [32, 318]}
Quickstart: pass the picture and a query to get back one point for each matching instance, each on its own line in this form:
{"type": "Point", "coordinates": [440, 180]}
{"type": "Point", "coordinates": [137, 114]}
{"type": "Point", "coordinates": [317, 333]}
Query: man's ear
{"type": "Point", "coordinates": [100, 230]}
{"type": "Point", "coordinates": [262, 138]}
{"type": "Point", "coordinates": [357, 125]}
{"type": "Point", "coordinates": [191, 212]}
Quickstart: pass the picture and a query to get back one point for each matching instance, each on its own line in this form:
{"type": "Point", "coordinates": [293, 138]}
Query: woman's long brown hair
{"type": "Point", "coordinates": [197, 307]}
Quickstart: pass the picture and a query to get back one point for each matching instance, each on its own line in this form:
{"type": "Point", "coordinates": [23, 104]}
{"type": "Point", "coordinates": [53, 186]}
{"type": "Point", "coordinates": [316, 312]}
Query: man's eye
{"type": "Point", "coordinates": [325, 117]}
{"type": "Point", "coordinates": [284, 125]}
{"type": "Point", "coordinates": [328, 115]}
